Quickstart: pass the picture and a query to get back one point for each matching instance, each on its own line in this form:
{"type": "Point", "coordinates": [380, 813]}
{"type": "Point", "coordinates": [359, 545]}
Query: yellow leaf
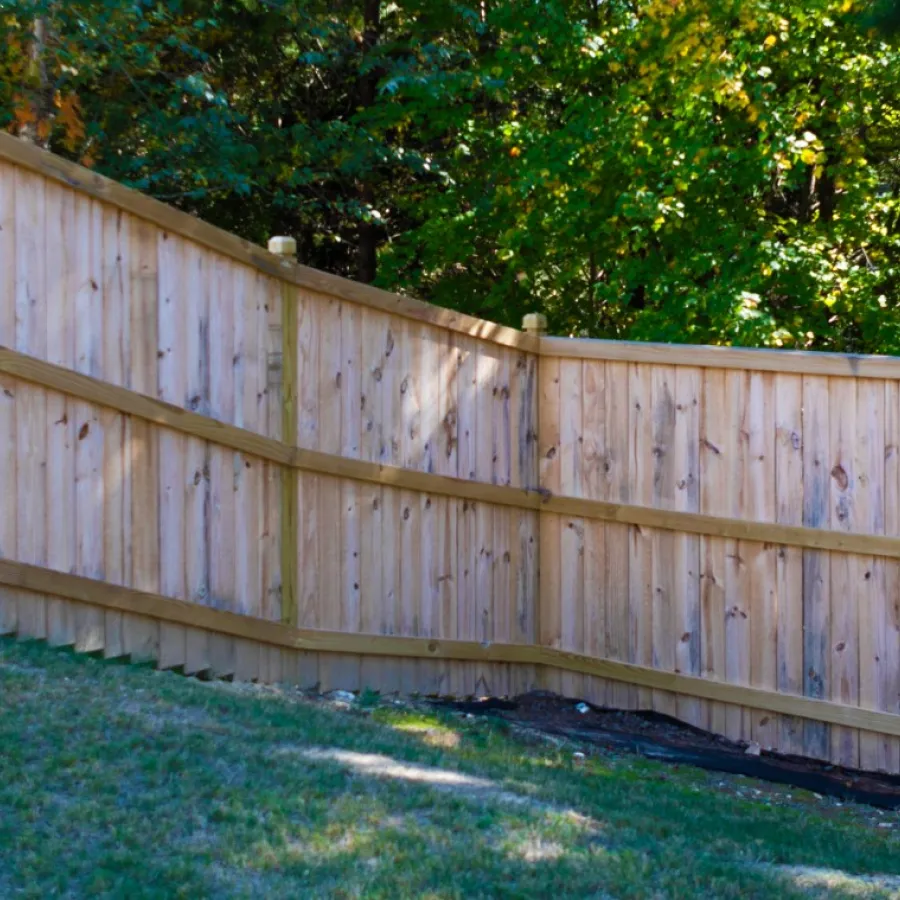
{"type": "Point", "coordinates": [808, 156]}
{"type": "Point", "coordinates": [770, 41]}
{"type": "Point", "coordinates": [70, 118]}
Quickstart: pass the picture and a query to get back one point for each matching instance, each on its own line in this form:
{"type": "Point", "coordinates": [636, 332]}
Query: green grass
{"type": "Point", "coordinates": [119, 781]}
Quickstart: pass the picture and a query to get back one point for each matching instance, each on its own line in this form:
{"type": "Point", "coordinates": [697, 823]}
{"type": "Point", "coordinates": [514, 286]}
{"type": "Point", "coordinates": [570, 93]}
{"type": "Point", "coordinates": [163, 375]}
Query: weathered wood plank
{"type": "Point", "coordinates": [549, 621]}
{"type": "Point", "coordinates": [640, 572]}
{"type": "Point", "coordinates": [789, 560]}
{"type": "Point", "coordinates": [714, 477]}
{"type": "Point", "coordinates": [61, 525]}
{"type": "Point", "coordinates": [843, 683]}
{"type": "Point", "coordinates": [869, 468]}
{"type": "Point", "coordinates": [661, 463]}
{"type": "Point", "coordinates": [816, 566]}
{"type": "Point", "coordinates": [686, 598]}
{"type": "Point", "coordinates": [54, 168]}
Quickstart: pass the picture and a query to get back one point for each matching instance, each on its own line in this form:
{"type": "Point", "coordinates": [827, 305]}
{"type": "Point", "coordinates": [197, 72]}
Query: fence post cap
{"type": "Point", "coordinates": [283, 246]}
{"type": "Point", "coordinates": [534, 323]}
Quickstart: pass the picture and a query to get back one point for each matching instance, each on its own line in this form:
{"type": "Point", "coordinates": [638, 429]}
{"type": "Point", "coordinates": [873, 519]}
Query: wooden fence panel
{"type": "Point", "coordinates": [657, 467]}
{"type": "Point", "coordinates": [108, 281]}
{"type": "Point", "coordinates": [749, 445]}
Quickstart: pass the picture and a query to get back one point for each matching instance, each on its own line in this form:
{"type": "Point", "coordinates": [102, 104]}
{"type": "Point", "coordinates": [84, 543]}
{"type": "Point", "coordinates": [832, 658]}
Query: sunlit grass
{"type": "Point", "coordinates": [120, 781]}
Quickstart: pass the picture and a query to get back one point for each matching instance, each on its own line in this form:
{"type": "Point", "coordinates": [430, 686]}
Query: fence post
{"type": "Point", "coordinates": [286, 248]}
{"type": "Point", "coordinates": [534, 323]}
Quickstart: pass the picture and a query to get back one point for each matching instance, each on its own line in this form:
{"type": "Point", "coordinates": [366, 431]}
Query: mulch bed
{"type": "Point", "coordinates": [658, 736]}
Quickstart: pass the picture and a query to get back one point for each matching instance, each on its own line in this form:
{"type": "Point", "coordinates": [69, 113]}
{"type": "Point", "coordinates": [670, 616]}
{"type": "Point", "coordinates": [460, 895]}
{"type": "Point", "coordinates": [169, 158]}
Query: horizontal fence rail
{"type": "Point", "coordinates": [167, 609]}
{"type": "Point", "coordinates": [158, 412]}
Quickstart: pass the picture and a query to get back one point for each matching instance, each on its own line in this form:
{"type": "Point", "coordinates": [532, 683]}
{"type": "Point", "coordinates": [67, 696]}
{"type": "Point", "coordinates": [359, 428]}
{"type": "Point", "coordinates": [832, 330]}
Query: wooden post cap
{"type": "Point", "coordinates": [534, 323]}
{"type": "Point", "coordinates": [283, 246]}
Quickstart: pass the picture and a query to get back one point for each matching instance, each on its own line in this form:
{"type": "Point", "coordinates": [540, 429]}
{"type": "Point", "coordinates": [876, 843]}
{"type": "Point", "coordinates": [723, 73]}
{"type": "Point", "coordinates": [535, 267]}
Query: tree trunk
{"type": "Point", "coordinates": [37, 129]}
{"type": "Point", "coordinates": [367, 87]}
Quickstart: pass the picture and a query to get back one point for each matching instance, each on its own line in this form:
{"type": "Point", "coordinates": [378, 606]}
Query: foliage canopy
{"type": "Point", "coordinates": [721, 171]}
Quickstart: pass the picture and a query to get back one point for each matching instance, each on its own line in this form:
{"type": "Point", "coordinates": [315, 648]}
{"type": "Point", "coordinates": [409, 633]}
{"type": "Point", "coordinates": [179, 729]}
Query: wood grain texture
{"type": "Point", "coordinates": [869, 465]}
{"type": "Point", "coordinates": [549, 620]}
{"type": "Point", "coordinates": [816, 565]}
{"type": "Point", "coordinates": [714, 477]}
{"type": "Point", "coordinates": [723, 358]}
{"type": "Point", "coordinates": [616, 488]}
{"type": "Point", "coordinates": [168, 415]}
{"type": "Point", "coordinates": [686, 598]}
{"type": "Point", "coordinates": [843, 642]}
{"type": "Point", "coordinates": [61, 525]}
{"type": "Point", "coordinates": [789, 560]}
{"type": "Point", "coordinates": [640, 584]}
{"type": "Point", "coordinates": [571, 548]}
{"type": "Point", "coordinates": [172, 386]}
{"type": "Point", "coordinates": [760, 559]}
{"type": "Point", "coordinates": [52, 168]}
{"type": "Point", "coordinates": [889, 625]}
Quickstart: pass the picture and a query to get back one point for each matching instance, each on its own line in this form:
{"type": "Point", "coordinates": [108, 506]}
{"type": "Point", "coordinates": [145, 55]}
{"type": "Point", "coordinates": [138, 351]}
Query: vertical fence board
{"type": "Point", "coordinates": [9, 484]}
{"type": "Point", "coordinates": [485, 367]}
{"type": "Point", "coordinates": [224, 547]}
{"type": "Point", "coordinates": [686, 600]}
{"type": "Point", "coordinates": [869, 468]}
{"type": "Point", "coordinates": [447, 463]}
{"type": "Point", "coordinates": [31, 406]}
{"type": "Point", "coordinates": [62, 524]}
{"type": "Point", "coordinates": [172, 387]}
{"type": "Point", "coordinates": [391, 672]}
{"type": "Point", "coordinates": [336, 670]}
{"type": "Point", "coordinates": [713, 497]}
{"type": "Point", "coordinates": [8, 388]}
{"type": "Point", "coordinates": [463, 681]}
{"type": "Point", "coordinates": [617, 489]}
{"type": "Point", "coordinates": [663, 550]}
{"type": "Point", "coordinates": [412, 450]}
{"type": "Point", "coordinates": [89, 490]}
{"type": "Point", "coordinates": [889, 671]}
{"type": "Point", "coordinates": [816, 564]}
{"type": "Point", "coordinates": [844, 619]}
{"type": "Point", "coordinates": [430, 507]}
{"type": "Point", "coordinates": [501, 557]}
{"type": "Point", "coordinates": [640, 574]}
{"type": "Point", "coordinates": [594, 441]}
{"type": "Point", "coordinates": [760, 559]}
{"type": "Point", "coordinates": [789, 571]}
{"type": "Point", "coordinates": [549, 597]}
{"type": "Point", "coordinates": [8, 254]}
{"type": "Point", "coordinates": [738, 587]}
{"type": "Point", "coordinates": [116, 364]}
{"type": "Point", "coordinates": [140, 636]}
{"type": "Point", "coordinates": [193, 313]}
{"type": "Point", "coordinates": [572, 531]}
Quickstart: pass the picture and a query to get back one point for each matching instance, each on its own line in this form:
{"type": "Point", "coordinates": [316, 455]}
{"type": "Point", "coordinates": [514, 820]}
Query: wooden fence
{"type": "Point", "coordinates": [227, 462]}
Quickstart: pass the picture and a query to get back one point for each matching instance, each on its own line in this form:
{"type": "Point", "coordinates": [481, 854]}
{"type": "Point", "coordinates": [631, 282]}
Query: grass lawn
{"type": "Point", "coordinates": [120, 781]}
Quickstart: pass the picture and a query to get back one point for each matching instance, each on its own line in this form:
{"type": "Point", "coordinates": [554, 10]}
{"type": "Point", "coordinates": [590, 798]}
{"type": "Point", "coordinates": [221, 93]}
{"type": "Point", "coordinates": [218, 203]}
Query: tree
{"type": "Point", "coordinates": [706, 170]}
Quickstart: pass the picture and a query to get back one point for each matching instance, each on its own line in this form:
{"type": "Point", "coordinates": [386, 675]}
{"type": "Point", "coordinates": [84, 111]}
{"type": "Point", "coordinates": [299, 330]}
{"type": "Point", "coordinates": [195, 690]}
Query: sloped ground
{"type": "Point", "coordinates": [120, 781]}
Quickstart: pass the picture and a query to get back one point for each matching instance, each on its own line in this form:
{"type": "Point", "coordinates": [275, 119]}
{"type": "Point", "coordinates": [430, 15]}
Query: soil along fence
{"type": "Point", "coordinates": [220, 460]}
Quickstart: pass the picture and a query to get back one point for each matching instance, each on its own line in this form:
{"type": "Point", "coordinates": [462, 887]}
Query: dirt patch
{"type": "Point", "coordinates": [657, 736]}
